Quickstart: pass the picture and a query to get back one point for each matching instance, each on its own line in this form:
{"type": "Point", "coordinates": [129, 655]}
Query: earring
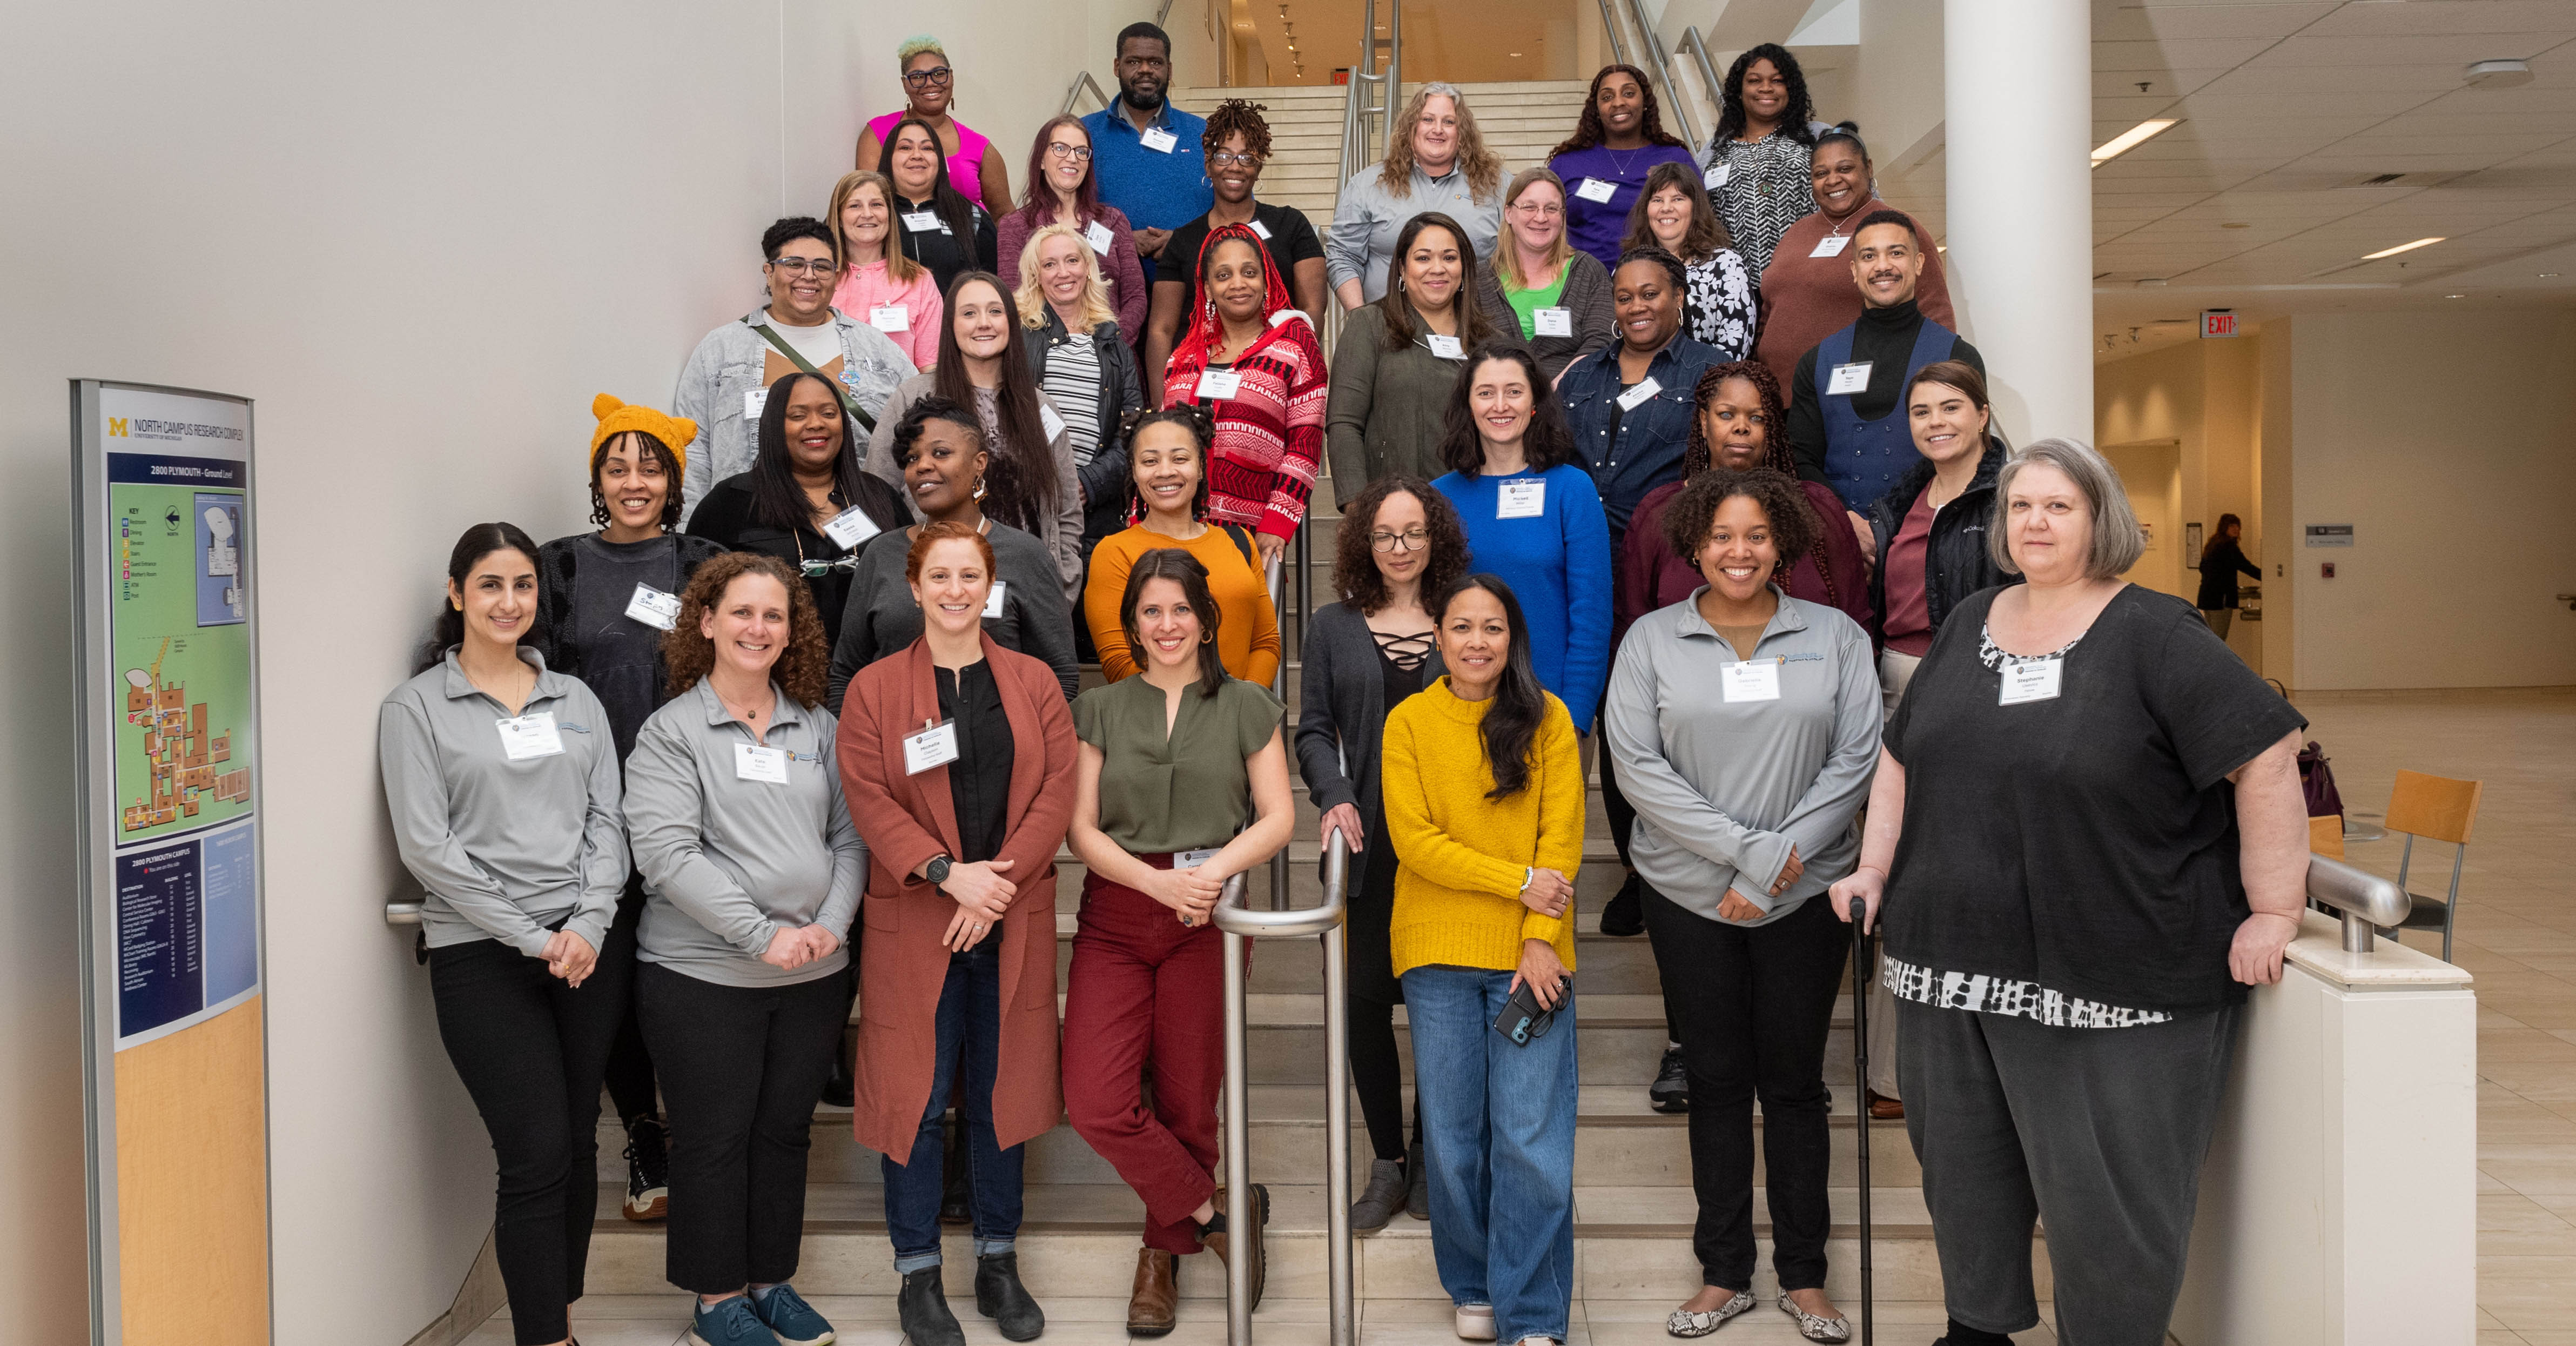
{"type": "Point", "coordinates": [979, 488]}
{"type": "Point", "coordinates": [1206, 636]}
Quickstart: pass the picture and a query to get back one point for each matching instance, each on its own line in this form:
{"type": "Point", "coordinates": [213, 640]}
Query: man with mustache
{"type": "Point", "coordinates": [1144, 151]}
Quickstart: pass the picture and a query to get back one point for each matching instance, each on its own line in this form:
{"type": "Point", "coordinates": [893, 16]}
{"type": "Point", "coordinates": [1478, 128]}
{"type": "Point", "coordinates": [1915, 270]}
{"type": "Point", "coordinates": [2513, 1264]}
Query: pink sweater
{"type": "Point", "coordinates": [1121, 268]}
{"type": "Point", "coordinates": [863, 288]}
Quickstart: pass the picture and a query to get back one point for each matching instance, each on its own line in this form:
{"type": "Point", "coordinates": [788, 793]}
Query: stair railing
{"type": "Point", "coordinates": [2365, 902]}
{"type": "Point", "coordinates": [1658, 63]}
{"type": "Point", "coordinates": [1238, 923]}
{"type": "Point", "coordinates": [1700, 55]}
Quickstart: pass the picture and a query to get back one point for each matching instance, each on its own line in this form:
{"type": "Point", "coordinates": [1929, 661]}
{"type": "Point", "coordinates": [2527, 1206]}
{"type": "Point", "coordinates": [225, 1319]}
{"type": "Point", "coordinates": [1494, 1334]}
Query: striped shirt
{"type": "Point", "coordinates": [1767, 190]}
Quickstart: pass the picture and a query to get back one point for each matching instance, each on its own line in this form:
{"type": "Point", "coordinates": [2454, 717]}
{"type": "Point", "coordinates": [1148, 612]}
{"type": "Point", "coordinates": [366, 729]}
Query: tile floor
{"type": "Point", "coordinates": [2517, 932]}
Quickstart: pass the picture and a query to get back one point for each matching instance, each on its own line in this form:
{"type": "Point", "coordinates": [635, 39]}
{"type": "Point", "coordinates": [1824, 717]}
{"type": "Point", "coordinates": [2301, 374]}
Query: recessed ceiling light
{"type": "Point", "coordinates": [2499, 74]}
{"type": "Point", "coordinates": [2455, 296]}
{"type": "Point", "coordinates": [2402, 247]}
{"type": "Point", "coordinates": [1515, 53]}
{"type": "Point", "coordinates": [2235, 224]}
{"type": "Point", "coordinates": [2548, 275]}
{"type": "Point", "coordinates": [2132, 138]}
{"type": "Point", "coordinates": [2150, 282]}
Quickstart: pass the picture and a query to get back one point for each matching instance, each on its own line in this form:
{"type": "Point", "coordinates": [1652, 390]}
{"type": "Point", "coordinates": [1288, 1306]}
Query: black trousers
{"type": "Point", "coordinates": [1377, 1073]}
{"type": "Point", "coordinates": [630, 1066]}
{"type": "Point", "coordinates": [531, 1051]}
{"type": "Point", "coordinates": [742, 1068]}
{"type": "Point", "coordinates": [1756, 1004]}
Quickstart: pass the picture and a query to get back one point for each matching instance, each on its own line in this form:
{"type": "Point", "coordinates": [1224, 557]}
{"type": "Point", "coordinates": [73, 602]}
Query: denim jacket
{"type": "Point", "coordinates": [729, 363]}
{"type": "Point", "coordinates": [1652, 438]}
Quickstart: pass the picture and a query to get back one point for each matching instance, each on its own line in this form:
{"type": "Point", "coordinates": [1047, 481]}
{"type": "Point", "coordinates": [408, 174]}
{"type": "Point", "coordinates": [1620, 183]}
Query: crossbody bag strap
{"type": "Point", "coordinates": [849, 403]}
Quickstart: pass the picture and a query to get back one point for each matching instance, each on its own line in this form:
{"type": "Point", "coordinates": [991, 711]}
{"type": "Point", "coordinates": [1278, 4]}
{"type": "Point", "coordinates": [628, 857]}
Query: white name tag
{"type": "Point", "coordinates": [1753, 680]}
{"type": "Point", "coordinates": [1850, 378]}
{"type": "Point", "coordinates": [1216, 385]}
{"type": "Point", "coordinates": [935, 746]}
{"type": "Point", "coordinates": [752, 402]}
{"type": "Point", "coordinates": [653, 607]}
{"type": "Point", "coordinates": [1049, 421]}
{"type": "Point", "coordinates": [1636, 397]}
{"type": "Point", "coordinates": [851, 527]}
{"type": "Point", "coordinates": [1159, 140]}
{"type": "Point", "coordinates": [1099, 237]}
{"type": "Point", "coordinates": [1287, 315]}
{"type": "Point", "coordinates": [890, 318]}
{"type": "Point", "coordinates": [922, 221]}
{"type": "Point", "coordinates": [756, 763]}
{"type": "Point", "coordinates": [1446, 347]}
{"type": "Point", "coordinates": [1194, 859]}
{"type": "Point", "coordinates": [1525, 498]}
{"type": "Point", "coordinates": [993, 605]}
{"type": "Point", "coordinates": [1831, 245]}
{"type": "Point", "coordinates": [530, 736]}
{"type": "Point", "coordinates": [1260, 230]}
{"type": "Point", "coordinates": [1555, 322]}
{"type": "Point", "coordinates": [1716, 177]}
{"type": "Point", "coordinates": [2031, 680]}
{"type": "Point", "coordinates": [1594, 189]}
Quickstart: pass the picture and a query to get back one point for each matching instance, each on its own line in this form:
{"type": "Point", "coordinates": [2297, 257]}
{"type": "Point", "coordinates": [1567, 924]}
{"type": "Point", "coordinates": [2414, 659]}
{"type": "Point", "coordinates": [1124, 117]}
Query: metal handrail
{"type": "Point", "coordinates": [403, 911]}
{"type": "Point", "coordinates": [2367, 902]}
{"type": "Point", "coordinates": [1662, 67]}
{"type": "Point", "coordinates": [1287, 730]}
{"type": "Point", "coordinates": [1697, 46]}
{"type": "Point", "coordinates": [1238, 923]}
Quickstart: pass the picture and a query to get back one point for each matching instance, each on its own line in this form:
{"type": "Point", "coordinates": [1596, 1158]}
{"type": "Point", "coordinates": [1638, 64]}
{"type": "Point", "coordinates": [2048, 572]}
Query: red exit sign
{"type": "Point", "coordinates": [2218, 322]}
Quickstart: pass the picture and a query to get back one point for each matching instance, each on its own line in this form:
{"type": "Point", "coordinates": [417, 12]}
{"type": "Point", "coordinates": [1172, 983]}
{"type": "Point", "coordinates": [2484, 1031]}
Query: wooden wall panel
{"type": "Point", "coordinates": [192, 1184]}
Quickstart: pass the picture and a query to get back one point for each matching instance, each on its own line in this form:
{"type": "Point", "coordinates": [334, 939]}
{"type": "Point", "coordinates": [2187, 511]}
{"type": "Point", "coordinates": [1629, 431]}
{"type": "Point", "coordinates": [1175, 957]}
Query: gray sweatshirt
{"type": "Point", "coordinates": [729, 363]}
{"type": "Point", "coordinates": [729, 861]}
{"type": "Point", "coordinates": [503, 849]}
{"type": "Point", "coordinates": [1724, 788]}
{"type": "Point", "coordinates": [1368, 217]}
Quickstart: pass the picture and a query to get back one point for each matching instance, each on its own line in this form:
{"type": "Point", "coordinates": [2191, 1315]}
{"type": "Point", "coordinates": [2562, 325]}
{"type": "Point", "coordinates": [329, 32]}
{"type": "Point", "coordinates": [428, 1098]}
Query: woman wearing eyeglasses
{"type": "Point", "coordinates": [930, 90]}
{"type": "Point", "coordinates": [1238, 144]}
{"type": "Point", "coordinates": [805, 500]}
{"type": "Point", "coordinates": [1063, 191]}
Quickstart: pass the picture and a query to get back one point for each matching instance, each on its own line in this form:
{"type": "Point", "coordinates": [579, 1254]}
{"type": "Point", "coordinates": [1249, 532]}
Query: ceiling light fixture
{"type": "Point", "coordinates": [2150, 282]}
{"type": "Point", "coordinates": [2235, 224]}
{"type": "Point", "coordinates": [2132, 138]}
{"type": "Point", "coordinates": [2499, 74]}
{"type": "Point", "coordinates": [2402, 247]}
{"type": "Point", "coordinates": [2455, 296]}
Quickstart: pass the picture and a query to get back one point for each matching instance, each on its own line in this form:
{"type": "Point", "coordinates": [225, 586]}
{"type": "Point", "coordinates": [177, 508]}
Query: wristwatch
{"type": "Point", "coordinates": [937, 870]}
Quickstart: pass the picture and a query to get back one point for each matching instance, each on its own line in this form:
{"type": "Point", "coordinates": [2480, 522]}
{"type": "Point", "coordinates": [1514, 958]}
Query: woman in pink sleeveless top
{"type": "Point", "coordinates": [929, 85]}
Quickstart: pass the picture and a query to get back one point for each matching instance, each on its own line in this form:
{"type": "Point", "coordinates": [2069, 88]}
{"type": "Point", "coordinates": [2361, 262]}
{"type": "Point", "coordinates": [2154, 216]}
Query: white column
{"type": "Point", "coordinates": [2018, 112]}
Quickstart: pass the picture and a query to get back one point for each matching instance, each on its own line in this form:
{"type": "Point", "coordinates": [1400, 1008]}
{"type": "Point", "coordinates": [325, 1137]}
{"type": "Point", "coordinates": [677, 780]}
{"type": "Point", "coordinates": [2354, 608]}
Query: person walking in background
{"type": "Point", "coordinates": [1063, 190]}
{"type": "Point", "coordinates": [1809, 289]}
{"type": "Point", "coordinates": [930, 89]}
{"type": "Point", "coordinates": [1618, 140]}
{"type": "Point", "coordinates": [1674, 214]}
{"type": "Point", "coordinates": [1364, 655]}
{"type": "Point", "coordinates": [943, 228]}
{"type": "Point", "coordinates": [2089, 838]}
{"type": "Point", "coordinates": [1182, 784]}
{"type": "Point", "coordinates": [960, 959]}
{"type": "Point", "coordinates": [1260, 378]}
{"type": "Point", "coordinates": [1145, 150]}
{"type": "Point", "coordinates": [1398, 360]}
{"type": "Point", "coordinates": [1556, 298]}
{"type": "Point", "coordinates": [1746, 723]}
{"type": "Point", "coordinates": [2220, 563]}
{"type": "Point", "coordinates": [1756, 168]}
{"type": "Point", "coordinates": [752, 873]}
{"type": "Point", "coordinates": [517, 842]}
{"type": "Point", "coordinates": [1484, 914]}
{"type": "Point", "coordinates": [879, 285]}
{"type": "Point", "coordinates": [1435, 160]}
{"type": "Point", "coordinates": [1238, 145]}
{"type": "Point", "coordinates": [1168, 497]}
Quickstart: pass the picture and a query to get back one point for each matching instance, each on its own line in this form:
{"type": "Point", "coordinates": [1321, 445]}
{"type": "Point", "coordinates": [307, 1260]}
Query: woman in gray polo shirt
{"type": "Point", "coordinates": [752, 871]}
{"type": "Point", "coordinates": [501, 778]}
{"type": "Point", "coordinates": [1745, 724]}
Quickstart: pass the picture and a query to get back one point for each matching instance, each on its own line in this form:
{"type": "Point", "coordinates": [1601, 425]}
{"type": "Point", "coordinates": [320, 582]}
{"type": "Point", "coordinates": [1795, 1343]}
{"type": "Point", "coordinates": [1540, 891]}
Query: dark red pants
{"type": "Point", "coordinates": [1147, 993]}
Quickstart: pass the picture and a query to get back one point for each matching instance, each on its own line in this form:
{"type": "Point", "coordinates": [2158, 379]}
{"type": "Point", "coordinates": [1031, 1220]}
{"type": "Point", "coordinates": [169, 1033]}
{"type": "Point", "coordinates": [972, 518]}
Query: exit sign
{"type": "Point", "coordinates": [2218, 322]}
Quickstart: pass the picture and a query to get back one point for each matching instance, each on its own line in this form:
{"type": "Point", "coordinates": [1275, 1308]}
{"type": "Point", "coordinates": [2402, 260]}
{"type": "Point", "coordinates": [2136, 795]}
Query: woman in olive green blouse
{"type": "Point", "coordinates": [1182, 783]}
{"type": "Point", "coordinates": [1399, 359]}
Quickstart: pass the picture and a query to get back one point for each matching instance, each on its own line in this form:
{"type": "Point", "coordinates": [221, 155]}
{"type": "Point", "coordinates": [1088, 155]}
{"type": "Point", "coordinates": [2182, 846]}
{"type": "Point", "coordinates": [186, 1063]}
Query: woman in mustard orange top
{"type": "Point", "coordinates": [1168, 495]}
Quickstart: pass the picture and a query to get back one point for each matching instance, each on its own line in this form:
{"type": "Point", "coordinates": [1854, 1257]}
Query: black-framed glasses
{"type": "Point", "coordinates": [1230, 159]}
{"type": "Point", "coordinates": [923, 79]}
{"type": "Point", "coordinates": [801, 266]}
{"type": "Point", "coordinates": [1411, 539]}
{"type": "Point", "coordinates": [1080, 154]}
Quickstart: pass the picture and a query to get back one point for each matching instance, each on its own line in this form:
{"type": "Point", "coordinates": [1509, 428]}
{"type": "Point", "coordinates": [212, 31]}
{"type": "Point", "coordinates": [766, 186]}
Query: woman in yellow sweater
{"type": "Point", "coordinates": [1168, 495]}
{"type": "Point", "coordinates": [1484, 905]}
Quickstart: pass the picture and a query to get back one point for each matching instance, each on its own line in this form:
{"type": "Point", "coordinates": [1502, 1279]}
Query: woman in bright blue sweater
{"type": "Point", "coordinates": [1533, 518]}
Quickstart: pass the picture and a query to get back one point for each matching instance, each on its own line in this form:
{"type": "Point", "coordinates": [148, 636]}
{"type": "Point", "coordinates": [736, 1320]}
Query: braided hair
{"type": "Point", "coordinates": [1239, 116]}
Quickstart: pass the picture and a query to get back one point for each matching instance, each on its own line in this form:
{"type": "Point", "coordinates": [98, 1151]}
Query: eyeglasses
{"type": "Point", "coordinates": [1230, 159]}
{"type": "Point", "coordinates": [1080, 154]}
{"type": "Point", "coordinates": [802, 266]}
{"type": "Point", "coordinates": [1411, 539]}
{"type": "Point", "coordinates": [1544, 210]}
{"type": "Point", "coordinates": [923, 79]}
{"type": "Point", "coordinates": [815, 570]}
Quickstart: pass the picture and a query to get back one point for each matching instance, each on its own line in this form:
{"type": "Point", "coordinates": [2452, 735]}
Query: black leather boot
{"type": "Point", "coordinates": [1000, 1297]}
{"type": "Point", "coordinates": [922, 1306]}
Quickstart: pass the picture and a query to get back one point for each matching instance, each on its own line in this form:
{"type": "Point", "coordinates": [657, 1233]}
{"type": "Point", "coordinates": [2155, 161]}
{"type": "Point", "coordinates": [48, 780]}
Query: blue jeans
{"type": "Point", "coordinates": [969, 1045]}
{"type": "Point", "coordinates": [1498, 1137]}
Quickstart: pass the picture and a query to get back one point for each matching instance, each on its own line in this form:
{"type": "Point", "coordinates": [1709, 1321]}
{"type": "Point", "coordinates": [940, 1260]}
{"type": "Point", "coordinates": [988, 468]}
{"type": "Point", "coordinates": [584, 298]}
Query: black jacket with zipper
{"type": "Point", "coordinates": [1104, 478]}
{"type": "Point", "coordinates": [1956, 562]}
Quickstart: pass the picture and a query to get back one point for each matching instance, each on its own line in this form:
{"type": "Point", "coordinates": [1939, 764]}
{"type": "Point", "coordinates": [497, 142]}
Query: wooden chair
{"type": "Point", "coordinates": [2438, 809]}
{"type": "Point", "coordinates": [2325, 836]}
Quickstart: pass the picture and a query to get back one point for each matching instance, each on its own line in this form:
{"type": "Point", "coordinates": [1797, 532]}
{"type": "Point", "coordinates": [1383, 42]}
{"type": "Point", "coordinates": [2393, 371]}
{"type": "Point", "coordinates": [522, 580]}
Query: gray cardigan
{"type": "Point", "coordinates": [883, 619]}
{"type": "Point", "coordinates": [1587, 292]}
{"type": "Point", "coordinates": [1341, 712]}
{"type": "Point", "coordinates": [1387, 407]}
{"type": "Point", "coordinates": [1367, 217]}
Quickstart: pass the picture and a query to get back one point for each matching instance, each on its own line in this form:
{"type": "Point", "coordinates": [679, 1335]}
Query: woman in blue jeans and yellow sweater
{"type": "Point", "coordinates": [1484, 897]}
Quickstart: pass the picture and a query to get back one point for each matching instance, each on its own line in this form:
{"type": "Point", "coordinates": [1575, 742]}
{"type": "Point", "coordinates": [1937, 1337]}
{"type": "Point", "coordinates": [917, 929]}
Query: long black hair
{"type": "Point", "coordinates": [1020, 479]}
{"type": "Point", "coordinates": [1396, 306]}
{"type": "Point", "coordinates": [778, 502]}
{"type": "Point", "coordinates": [1588, 130]}
{"type": "Point", "coordinates": [1547, 443]}
{"type": "Point", "coordinates": [1511, 723]}
{"type": "Point", "coordinates": [1181, 568]}
{"type": "Point", "coordinates": [1793, 118]}
{"type": "Point", "coordinates": [480, 541]}
{"type": "Point", "coordinates": [950, 204]}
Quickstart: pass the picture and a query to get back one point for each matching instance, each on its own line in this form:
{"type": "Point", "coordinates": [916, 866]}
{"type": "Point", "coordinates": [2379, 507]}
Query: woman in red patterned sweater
{"type": "Point", "coordinates": [1253, 362]}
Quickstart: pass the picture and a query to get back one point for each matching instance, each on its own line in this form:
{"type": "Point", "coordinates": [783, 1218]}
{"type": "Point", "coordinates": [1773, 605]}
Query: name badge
{"type": "Point", "coordinates": [1636, 397]}
{"type": "Point", "coordinates": [1555, 322]}
{"type": "Point", "coordinates": [1752, 680]}
{"type": "Point", "coordinates": [1260, 230]}
{"type": "Point", "coordinates": [1194, 859]}
{"type": "Point", "coordinates": [934, 746]}
{"type": "Point", "coordinates": [1099, 237]}
{"type": "Point", "coordinates": [1049, 421]}
{"type": "Point", "coordinates": [752, 402]}
{"type": "Point", "coordinates": [530, 736]}
{"type": "Point", "coordinates": [1594, 189]}
{"type": "Point", "coordinates": [1216, 385]}
{"type": "Point", "coordinates": [1288, 315]}
{"type": "Point", "coordinates": [653, 607]}
{"type": "Point", "coordinates": [923, 221]}
{"type": "Point", "coordinates": [1716, 176]}
{"type": "Point", "coordinates": [1850, 378]}
{"type": "Point", "coordinates": [755, 763]}
{"type": "Point", "coordinates": [1446, 347]}
{"type": "Point", "coordinates": [1525, 498]}
{"type": "Point", "coordinates": [993, 605]}
{"type": "Point", "coordinates": [851, 527]}
{"type": "Point", "coordinates": [1831, 245]}
{"type": "Point", "coordinates": [890, 318]}
{"type": "Point", "coordinates": [1159, 140]}
{"type": "Point", "coordinates": [2031, 680]}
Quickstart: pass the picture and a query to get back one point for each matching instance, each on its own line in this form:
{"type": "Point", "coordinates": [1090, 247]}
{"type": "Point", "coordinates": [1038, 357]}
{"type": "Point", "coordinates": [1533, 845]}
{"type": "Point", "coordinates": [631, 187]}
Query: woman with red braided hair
{"type": "Point", "coordinates": [1238, 145]}
{"type": "Point", "coordinates": [1252, 362]}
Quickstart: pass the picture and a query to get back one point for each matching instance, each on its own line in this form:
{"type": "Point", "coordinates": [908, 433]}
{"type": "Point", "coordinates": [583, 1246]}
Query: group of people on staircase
{"type": "Point", "coordinates": [1661, 465]}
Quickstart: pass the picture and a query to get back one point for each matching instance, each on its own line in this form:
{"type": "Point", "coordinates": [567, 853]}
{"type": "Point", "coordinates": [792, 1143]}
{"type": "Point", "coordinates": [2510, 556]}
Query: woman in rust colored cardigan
{"type": "Point", "coordinates": [957, 757]}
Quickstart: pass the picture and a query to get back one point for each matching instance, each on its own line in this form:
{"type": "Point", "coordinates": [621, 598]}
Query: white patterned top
{"type": "Point", "coordinates": [1767, 189]}
{"type": "Point", "coordinates": [1719, 311]}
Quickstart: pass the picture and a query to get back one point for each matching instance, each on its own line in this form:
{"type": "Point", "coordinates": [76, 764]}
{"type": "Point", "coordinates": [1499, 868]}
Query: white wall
{"type": "Point", "coordinates": [422, 237]}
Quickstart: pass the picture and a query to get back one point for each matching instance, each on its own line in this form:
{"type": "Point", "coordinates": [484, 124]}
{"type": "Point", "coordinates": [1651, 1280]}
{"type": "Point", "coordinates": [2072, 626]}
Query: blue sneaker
{"type": "Point", "coordinates": [732, 1322]}
{"type": "Point", "coordinates": [793, 1320]}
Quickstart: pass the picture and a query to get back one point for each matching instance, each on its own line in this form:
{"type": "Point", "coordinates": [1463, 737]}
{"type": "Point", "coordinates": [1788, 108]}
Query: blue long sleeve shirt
{"type": "Point", "coordinates": [1557, 561]}
{"type": "Point", "coordinates": [1633, 451]}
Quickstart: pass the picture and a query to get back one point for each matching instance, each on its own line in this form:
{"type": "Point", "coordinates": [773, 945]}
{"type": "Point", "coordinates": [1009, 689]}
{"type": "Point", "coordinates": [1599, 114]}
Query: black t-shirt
{"type": "Point", "coordinates": [620, 657]}
{"type": "Point", "coordinates": [724, 517]}
{"type": "Point", "coordinates": [1292, 240]}
{"type": "Point", "coordinates": [2085, 843]}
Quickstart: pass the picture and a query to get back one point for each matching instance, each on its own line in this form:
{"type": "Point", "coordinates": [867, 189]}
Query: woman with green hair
{"type": "Point", "coordinates": [930, 90]}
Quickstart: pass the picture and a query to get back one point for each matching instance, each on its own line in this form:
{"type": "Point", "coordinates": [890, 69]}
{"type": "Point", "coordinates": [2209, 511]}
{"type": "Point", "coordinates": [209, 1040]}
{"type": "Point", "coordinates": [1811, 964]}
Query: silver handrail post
{"type": "Point", "coordinates": [1287, 731]}
{"type": "Point", "coordinates": [1238, 1138]}
{"type": "Point", "coordinates": [1338, 1249]}
{"type": "Point", "coordinates": [2366, 902]}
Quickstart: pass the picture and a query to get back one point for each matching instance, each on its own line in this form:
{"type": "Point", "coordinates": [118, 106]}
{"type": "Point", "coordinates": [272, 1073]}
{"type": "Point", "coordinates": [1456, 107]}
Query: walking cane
{"type": "Point", "coordinates": [1860, 1075]}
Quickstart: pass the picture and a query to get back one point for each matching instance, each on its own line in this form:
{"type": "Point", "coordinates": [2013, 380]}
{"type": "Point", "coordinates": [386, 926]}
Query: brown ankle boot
{"type": "Point", "coordinates": [1216, 1238]}
{"type": "Point", "coordinates": [1151, 1304]}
